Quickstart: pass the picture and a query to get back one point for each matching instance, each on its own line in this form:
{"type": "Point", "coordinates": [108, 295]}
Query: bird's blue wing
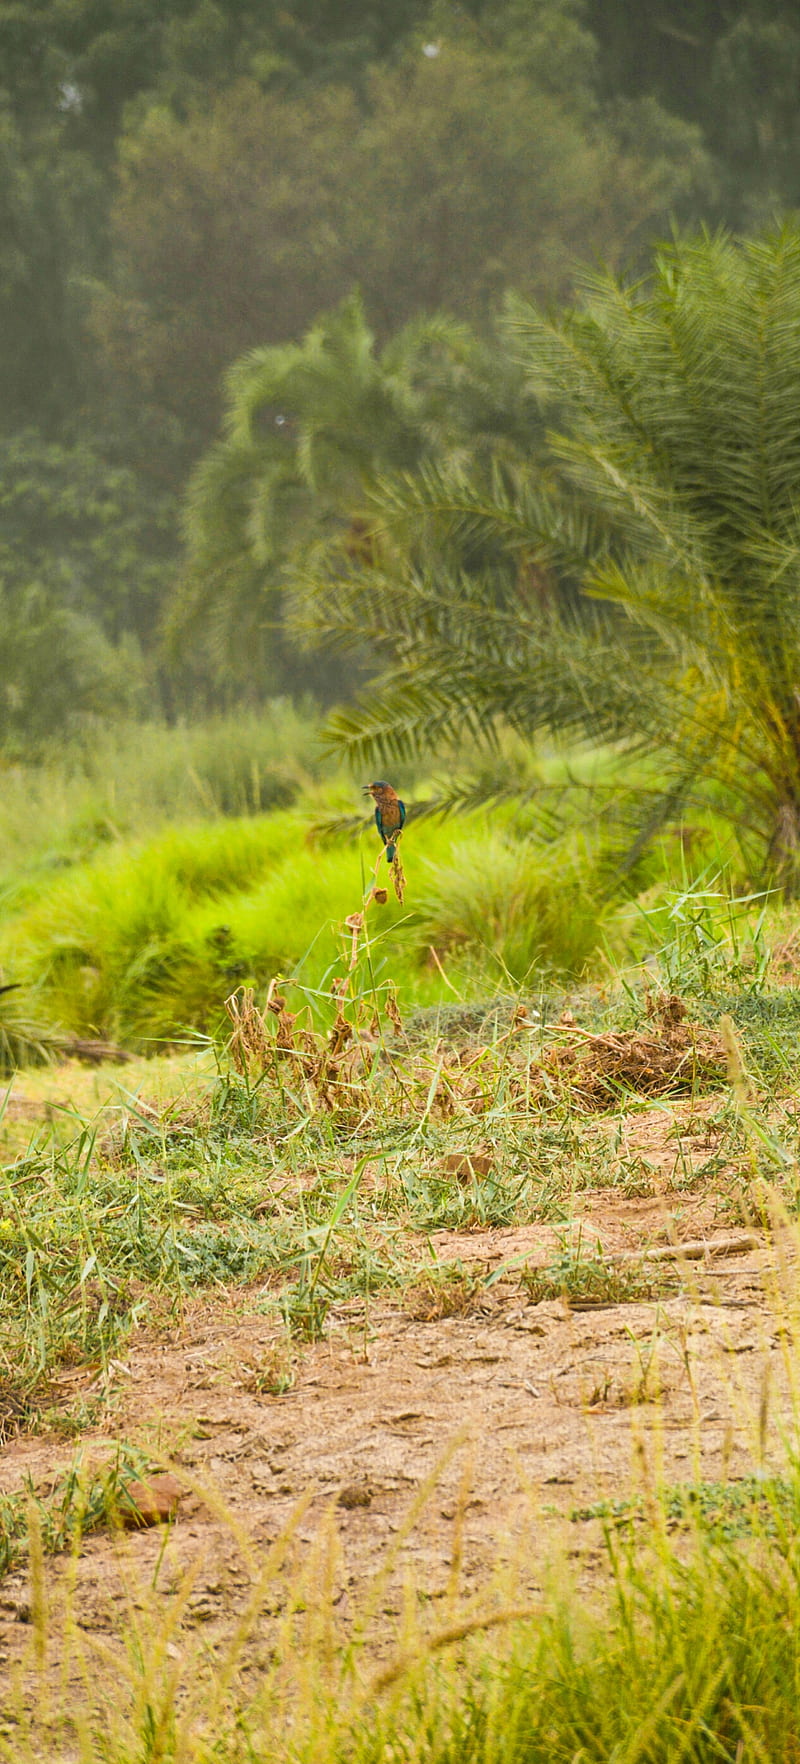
{"type": "Point", "coordinates": [379, 823]}
{"type": "Point", "coordinates": [402, 808]}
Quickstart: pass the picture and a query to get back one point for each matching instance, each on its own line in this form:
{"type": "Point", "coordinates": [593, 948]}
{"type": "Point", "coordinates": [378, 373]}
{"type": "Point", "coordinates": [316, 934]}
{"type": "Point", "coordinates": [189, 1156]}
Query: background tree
{"type": "Point", "coordinates": [49, 203]}
{"type": "Point", "coordinates": [446, 181]}
{"type": "Point", "coordinates": [731, 67]}
{"type": "Point", "coordinates": [101, 56]}
{"type": "Point", "coordinates": [184, 180]}
{"type": "Point", "coordinates": [59, 673]}
{"type": "Point", "coordinates": [74, 522]}
{"type": "Point", "coordinates": [85, 562]}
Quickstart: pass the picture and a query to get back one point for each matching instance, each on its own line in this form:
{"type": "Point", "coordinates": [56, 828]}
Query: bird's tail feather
{"type": "Point", "coordinates": [390, 853]}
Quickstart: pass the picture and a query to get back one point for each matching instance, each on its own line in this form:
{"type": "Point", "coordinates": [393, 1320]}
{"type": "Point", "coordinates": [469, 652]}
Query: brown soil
{"type": "Point", "coordinates": [498, 1422]}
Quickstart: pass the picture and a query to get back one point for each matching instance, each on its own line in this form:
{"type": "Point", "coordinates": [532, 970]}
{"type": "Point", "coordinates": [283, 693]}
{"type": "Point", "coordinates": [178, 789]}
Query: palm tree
{"type": "Point", "coordinates": [672, 506]}
{"type": "Point", "coordinates": [310, 427]}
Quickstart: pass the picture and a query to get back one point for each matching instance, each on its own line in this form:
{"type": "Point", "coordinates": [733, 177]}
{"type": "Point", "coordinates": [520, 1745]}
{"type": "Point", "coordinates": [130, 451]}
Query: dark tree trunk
{"type": "Point", "coordinates": [784, 849]}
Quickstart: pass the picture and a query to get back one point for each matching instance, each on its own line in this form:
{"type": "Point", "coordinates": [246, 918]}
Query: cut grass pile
{"type": "Point", "coordinates": [670, 1055]}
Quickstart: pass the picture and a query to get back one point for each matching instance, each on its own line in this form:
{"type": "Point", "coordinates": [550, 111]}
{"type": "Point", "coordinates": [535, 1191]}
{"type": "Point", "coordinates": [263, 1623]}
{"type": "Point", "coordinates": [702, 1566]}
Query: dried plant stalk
{"type": "Point", "coordinates": [398, 877]}
{"type": "Point", "coordinates": [250, 1047]}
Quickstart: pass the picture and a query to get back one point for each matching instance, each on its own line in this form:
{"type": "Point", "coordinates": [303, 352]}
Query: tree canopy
{"type": "Point", "coordinates": [186, 181]}
{"type": "Point", "coordinates": [443, 183]}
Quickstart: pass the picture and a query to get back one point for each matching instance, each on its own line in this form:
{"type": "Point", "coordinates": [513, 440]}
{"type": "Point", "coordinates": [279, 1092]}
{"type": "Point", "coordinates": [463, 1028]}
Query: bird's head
{"type": "Point", "coordinates": [377, 788]}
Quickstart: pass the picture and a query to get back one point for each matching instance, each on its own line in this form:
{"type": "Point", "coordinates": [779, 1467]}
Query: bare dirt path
{"type": "Point", "coordinates": [445, 1445]}
{"type": "Point", "coordinates": [499, 1424]}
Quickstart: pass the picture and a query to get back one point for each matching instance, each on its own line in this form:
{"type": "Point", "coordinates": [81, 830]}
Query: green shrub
{"type": "Point", "coordinates": [526, 908]}
{"type": "Point", "coordinates": [27, 1036]}
{"type": "Point", "coordinates": [109, 941]}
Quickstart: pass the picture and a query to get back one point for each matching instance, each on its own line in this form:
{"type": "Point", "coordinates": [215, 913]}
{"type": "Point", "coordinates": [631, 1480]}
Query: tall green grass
{"type": "Point", "coordinates": [144, 942]}
{"type": "Point", "coordinates": [530, 910]}
{"type": "Point", "coordinates": [692, 1659]}
{"type": "Point", "coordinates": [128, 780]}
{"type": "Point", "coordinates": [133, 899]}
{"type": "Point", "coordinates": [113, 945]}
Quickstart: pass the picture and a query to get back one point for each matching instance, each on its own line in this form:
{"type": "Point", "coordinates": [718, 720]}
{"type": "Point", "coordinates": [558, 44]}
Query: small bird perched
{"type": "Point", "coordinates": [390, 815]}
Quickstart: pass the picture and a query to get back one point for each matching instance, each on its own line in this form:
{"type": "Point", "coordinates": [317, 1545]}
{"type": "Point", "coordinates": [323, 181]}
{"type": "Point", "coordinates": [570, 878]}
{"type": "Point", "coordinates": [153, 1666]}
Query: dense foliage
{"type": "Point", "coordinates": [185, 182]}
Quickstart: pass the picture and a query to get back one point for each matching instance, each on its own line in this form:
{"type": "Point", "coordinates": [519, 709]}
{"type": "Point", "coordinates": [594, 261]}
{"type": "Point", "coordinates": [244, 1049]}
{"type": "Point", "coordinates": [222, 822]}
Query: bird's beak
{"type": "Point", "coordinates": [367, 790]}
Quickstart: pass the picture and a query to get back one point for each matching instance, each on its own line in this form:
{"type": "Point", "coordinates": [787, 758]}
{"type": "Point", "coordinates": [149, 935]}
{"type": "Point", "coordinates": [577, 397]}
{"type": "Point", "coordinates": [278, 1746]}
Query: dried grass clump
{"type": "Point", "coordinates": [313, 1067]}
{"type": "Point", "coordinates": [365, 1055]}
{"type": "Point", "coordinates": [784, 964]}
{"type": "Point", "coordinates": [19, 1406]}
{"type": "Point", "coordinates": [448, 1292]}
{"type": "Point", "coordinates": [673, 1058]}
{"type": "Point", "coordinates": [249, 1044]}
{"type": "Point", "coordinates": [323, 1069]}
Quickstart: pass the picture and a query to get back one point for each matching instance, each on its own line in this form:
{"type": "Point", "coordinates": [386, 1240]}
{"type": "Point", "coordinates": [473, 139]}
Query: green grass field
{"type": "Point", "coordinates": [144, 879]}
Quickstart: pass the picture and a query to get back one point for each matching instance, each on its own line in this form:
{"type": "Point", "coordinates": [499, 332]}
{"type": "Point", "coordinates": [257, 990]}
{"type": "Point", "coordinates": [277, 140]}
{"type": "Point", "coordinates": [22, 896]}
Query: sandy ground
{"type": "Point", "coordinates": [413, 1449]}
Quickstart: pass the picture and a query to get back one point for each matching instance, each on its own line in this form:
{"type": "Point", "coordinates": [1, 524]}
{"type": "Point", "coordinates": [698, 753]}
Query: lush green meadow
{"type": "Point", "coordinates": [147, 876]}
